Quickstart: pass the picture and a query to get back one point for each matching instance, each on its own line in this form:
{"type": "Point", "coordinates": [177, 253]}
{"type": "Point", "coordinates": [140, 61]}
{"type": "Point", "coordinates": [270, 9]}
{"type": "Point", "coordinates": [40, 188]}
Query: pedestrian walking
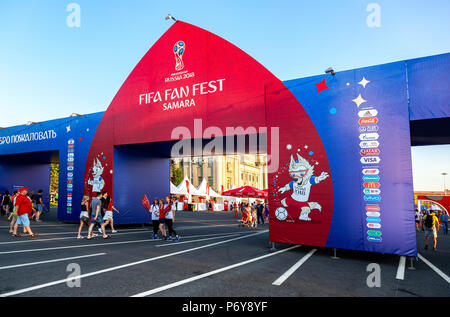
{"type": "Point", "coordinates": [24, 208]}
{"type": "Point", "coordinates": [6, 202]}
{"type": "Point", "coordinates": [39, 204]}
{"type": "Point", "coordinates": [431, 226]}
{"type": "Point", "coordinates": [417, 219]}
{"type": "Point", "coordinates": [84, 216]}
{"type": "Point", "coordinates": [162, 218]}
{"type": "Point", "coordinates": [266, 212]}
{"type": "Point", "coordinates": [108, 218]}
{"type": "Point", "coordinates": [260, 213]}
{"type": "Point", "coordinates": [96, 217]}
{"type": "Point", "coordinates": [170, 219]}
{"type": "Point", "coordinates": [154, 210]}
{"type": "Point", "coordinates": [444, 220]}
{"type": "Point", "coordinates": [13, 214]}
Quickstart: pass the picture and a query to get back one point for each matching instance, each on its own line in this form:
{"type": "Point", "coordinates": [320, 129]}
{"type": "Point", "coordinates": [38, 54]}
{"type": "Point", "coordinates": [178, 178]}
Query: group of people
{"type": "Point", "coordinates": [97, 213]}
{"type": "Point", "coordinates": [430, 222]}
{"type": "Point", "coordinates": [20, 208]}
{"type": "Point", "coordinates": [162, 213]}
{"type": "Point", "coordinates": [254, 214]}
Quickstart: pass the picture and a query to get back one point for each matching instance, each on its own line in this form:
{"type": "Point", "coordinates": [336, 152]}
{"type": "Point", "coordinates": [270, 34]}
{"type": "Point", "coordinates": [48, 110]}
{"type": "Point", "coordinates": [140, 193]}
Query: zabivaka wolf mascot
{"type": "Point", "coordinates": [97, 181]}
{"type": "Point", "coordinates": [302, 179]}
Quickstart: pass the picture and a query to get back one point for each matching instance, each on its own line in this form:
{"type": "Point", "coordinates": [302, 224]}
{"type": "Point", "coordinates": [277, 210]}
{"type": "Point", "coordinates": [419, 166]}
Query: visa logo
{"type": "Point", "coordinates": [370, 159]}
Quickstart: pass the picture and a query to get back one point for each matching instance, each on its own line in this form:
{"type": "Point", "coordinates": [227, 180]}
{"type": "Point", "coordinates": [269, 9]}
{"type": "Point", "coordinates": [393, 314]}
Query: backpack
{"type": "Point", "coordinates": [429, 221]}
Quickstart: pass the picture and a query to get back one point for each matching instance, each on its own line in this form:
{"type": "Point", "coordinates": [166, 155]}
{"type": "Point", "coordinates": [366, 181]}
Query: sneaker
{"type": "Point", "coordinates": [94, 235]}
{"type": "Point", "coordinates": [177, 238]}
{"type": "Point", "coordinates": [114, 231]}
{"type": "Point", "coordinates": [80, 237]}
{"type": "Point", "coordinates": [155, 237]}
{"type": "Point", "coordinates": [169, 239]}
{"type": "Point", "coordinates": [100, 230]}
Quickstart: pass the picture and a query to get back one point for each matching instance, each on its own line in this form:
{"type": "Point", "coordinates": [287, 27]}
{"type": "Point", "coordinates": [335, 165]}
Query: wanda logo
{"type": "Point", "coordinates": [371, 185]}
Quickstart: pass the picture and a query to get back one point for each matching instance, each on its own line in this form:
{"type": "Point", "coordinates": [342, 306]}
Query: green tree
{"type": "Point", "coordinates": [177, 175]}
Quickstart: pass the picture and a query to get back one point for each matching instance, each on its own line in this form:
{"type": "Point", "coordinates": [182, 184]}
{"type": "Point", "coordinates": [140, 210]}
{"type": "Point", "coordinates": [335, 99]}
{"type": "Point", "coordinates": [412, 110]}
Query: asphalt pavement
{"type": "Point", "coordinates": [214, 257]}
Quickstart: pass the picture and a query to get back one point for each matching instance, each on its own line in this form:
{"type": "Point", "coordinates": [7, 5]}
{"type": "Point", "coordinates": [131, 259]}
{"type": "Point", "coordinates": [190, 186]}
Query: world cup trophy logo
{"type": "Point", "coordinates": [178, 50]}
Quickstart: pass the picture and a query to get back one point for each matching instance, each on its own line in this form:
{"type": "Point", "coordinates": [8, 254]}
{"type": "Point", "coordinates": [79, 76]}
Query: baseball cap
{"type": "Point", "coordinates": [22, 188]}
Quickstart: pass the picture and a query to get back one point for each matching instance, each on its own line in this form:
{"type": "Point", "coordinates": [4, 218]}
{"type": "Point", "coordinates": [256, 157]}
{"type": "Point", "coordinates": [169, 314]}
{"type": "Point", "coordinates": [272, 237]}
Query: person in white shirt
{"type": "Point", "coordinates": [84, 216]}
{"type": "Point", "coordinates": [170, 219]}
{"type": "Point", "coordinates": [154, 210]}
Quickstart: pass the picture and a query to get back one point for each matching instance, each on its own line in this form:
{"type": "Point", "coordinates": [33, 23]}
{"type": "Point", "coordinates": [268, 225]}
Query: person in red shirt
{"type": "Point", "coordinates": [163, 210]}
{"type": "Point", "coordinates": [24, 208]}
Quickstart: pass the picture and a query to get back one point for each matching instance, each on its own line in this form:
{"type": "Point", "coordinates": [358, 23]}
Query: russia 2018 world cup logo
{"type": "Point", "coordinates": [178, 50]}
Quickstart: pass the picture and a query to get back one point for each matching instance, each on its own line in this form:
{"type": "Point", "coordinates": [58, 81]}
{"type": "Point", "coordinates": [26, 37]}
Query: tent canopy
{"type": "Point", "coordinates": [246, 192]}
{"type": "Point", "coordinates": [205, 190]}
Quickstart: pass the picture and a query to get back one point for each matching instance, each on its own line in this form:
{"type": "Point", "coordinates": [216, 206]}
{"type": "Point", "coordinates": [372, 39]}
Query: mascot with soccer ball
{"type": "Point", "coordinates": [302, 179]}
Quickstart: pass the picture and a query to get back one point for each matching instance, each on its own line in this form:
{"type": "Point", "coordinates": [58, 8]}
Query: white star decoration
{"type": "Point", "coordinates": [359, 100]}
{"type": "Point", "coordinates": [68, 128]}
{"type": "Point", "coordinates": [306, 146]}
{"type": "Point", "coordinates": [364, 82]}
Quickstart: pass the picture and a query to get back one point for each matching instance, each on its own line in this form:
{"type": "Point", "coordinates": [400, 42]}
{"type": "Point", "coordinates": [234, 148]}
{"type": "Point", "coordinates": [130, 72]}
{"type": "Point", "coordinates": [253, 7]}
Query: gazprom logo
{"type": "Point", "coordinates": [369, 136]}
{"type": "Point", "coordinates": [372, 197]}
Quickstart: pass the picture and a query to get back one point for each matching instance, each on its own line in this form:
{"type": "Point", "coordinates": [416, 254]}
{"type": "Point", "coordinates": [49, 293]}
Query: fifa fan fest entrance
{"type": "Point", "coordinates": [338, 146]}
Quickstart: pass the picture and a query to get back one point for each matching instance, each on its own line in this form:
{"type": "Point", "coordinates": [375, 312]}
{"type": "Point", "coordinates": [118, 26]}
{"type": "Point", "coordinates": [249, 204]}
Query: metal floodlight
{"type": "Point", "coordinates": [169, 16]}
{"type": "Point", "coordinates": [330, 70]}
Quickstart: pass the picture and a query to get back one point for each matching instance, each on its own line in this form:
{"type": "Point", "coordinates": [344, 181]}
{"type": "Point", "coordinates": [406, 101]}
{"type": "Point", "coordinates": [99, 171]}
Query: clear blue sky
{"type": "Point", "coordinates": [49, 70]}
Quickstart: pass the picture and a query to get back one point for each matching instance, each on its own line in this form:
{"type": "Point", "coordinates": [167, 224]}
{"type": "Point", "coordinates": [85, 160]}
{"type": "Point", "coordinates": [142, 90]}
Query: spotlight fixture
{"type": "Point", "coordinates": [330, 70]}
{"type": "Point", "coordinates": [169, 16]}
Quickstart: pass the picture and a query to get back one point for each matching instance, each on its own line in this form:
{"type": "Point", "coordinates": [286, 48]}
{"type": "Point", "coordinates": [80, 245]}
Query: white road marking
{"type": "Point", "coordinates": [434, 268]}
{"type": "Point", "coordinates": [100, 244]}
{"type": "Point", "coordinates": [114, 234]}
{"type": "Point", "coordinates": [401, 268]}
{"type": "Point", "coordinates": [35, 225]}
{"type": "Point", "coordinates": [66, 238]}
{"type": "Point", "coordinates": [85, 231]}
{"type": "Point", "coordinates": [114, 268]}
{"type": "Point", "coordinates": [198, 277]}
{"type": "Point", "coordinates": [293, 268]}
{"type": "Point", "coordinates": [50, 261]}
{"type": "Point", "coordinates": [191, 241]}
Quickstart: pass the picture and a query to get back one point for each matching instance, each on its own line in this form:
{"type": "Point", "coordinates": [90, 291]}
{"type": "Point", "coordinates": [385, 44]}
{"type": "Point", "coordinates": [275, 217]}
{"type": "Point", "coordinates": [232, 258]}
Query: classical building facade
{"type": "Point", "coordinates": [222, 172]}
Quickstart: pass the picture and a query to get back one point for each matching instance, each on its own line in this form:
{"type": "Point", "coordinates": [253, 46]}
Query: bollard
{"type": "Point", "coordinates": [334, 257]}
{"type": "Point", "coordinates": [411, 265]}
